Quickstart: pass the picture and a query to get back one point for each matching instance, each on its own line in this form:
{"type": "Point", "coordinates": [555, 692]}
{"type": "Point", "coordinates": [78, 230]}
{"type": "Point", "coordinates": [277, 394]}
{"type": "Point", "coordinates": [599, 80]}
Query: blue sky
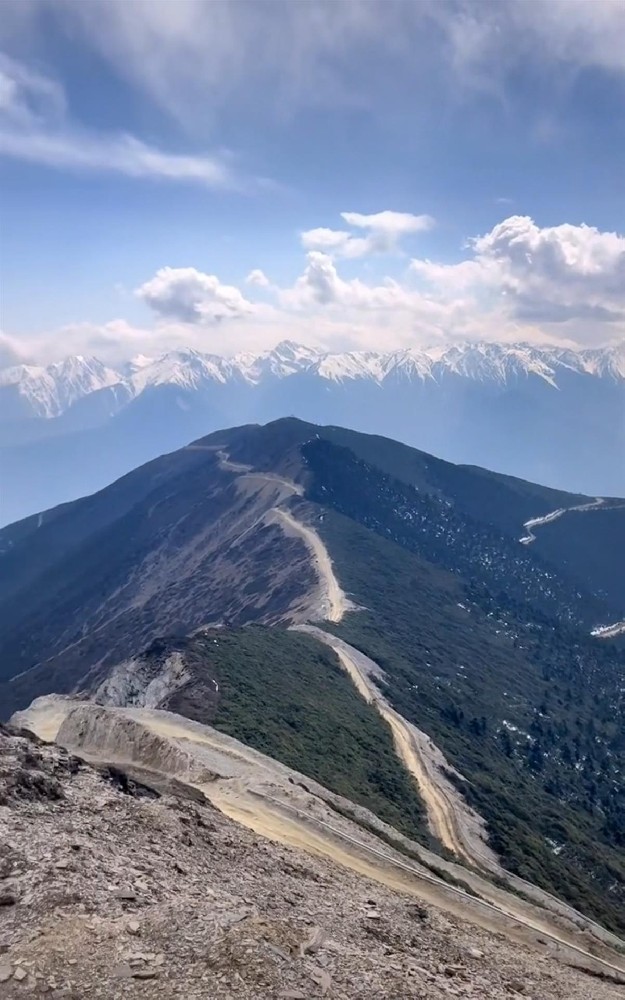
{"type": "Point", "coordinates": [378, 174]}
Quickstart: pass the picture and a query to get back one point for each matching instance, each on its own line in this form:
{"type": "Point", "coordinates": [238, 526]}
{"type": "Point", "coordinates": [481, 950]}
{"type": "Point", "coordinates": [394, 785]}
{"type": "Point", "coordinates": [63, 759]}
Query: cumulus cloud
{"type": "Point", "coordinates": [384, 230]}
{"type": "Point", "coordinates": [258, 278]}
{"type": "Point", "coordinates": [551, 274]}
{"type": "Point", "coordinates": [34, 127]}
{"type": "Point", "coordinates": [518, 282]}
{"type": "Point", "coordinates": [189, 295]}
{"type": "Point", "coordinates": [12, 351]}
{"type": "Point", "coordinates": [321, 284]}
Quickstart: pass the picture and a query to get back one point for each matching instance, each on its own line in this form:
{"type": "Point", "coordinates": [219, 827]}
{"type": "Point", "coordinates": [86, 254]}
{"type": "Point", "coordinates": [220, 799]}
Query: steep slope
{"type": "Point", "coordinates": [164, 895]}
{"type": "Point", "coordinates": [284, 694]}
{"type": "Point", "coordinates": [549, 415]}
{"type": "Point", "coordinates": [484, 646]}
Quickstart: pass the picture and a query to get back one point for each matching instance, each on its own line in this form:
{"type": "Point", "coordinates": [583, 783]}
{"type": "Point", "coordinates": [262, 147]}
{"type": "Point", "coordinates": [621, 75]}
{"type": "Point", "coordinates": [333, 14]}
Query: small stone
{"type": "Point", "coordinates": [133, 926]}
{"type": "Point", "coordinates": [280, 952]}
{"type": "Point", "coordinates": [5, 973]}
{"type": "Point", "coordinates": [62, 865]}
{"type": "Point", "coordinates": [145, 973]}
{"type": "Point", "coordinates": [159, 960]}
{"type": "Point", "coordinates": [475, 953]}
{"type": "Point", "coordinates": [8, 896]}
{"type": "Point", "coordinates": [122, 971]}
{"type": "Point", "coordinates": [20, 973]}
{"type": "Point", "coordinates": [313, 942]}
{"type": "Point", "coordinates": [127, 894]}
{"type": "Point", "coordinates": [323, 979]}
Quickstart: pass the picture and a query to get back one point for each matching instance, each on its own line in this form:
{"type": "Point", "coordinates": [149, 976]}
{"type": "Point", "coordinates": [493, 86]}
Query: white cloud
{"type": "Point", "coordinates": [554, 274]}
{"type": "Point", "coordinates": [189, 295]}
{"type": "Point", "coordinates": [389, 224]}
{"type": "Point", "coordinates": [519, 282]}
{"type": "Point", "coordinates": [320, 284]}
{"type": "Point", "coordinates": [384, 231]}
{"type": "Point", "coordinates": [34, 128]}
{"type": "Point", "coordinates": [193, 58]}
{"type": "Point", "coordinates": [11, 351]}
{"type": "Point", "coordinates": [258, 278]}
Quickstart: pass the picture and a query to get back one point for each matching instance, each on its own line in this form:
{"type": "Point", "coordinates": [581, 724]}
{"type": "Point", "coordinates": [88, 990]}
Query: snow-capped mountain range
{"type": "Point", "coordinates": [549, 415]}
{"type": "Point", "coordinates": [36, 391]}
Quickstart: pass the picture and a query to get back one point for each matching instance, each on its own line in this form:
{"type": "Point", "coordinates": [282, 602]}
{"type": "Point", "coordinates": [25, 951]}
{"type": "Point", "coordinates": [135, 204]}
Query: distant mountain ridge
{"type": "Point", "coordinates": [49, 391]}
{"type": "Point", "coordinates": [545, 414]}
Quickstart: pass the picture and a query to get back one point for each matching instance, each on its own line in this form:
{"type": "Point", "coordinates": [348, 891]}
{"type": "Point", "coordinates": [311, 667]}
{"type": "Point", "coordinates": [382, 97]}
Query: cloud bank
{"type": "Point", "coordinates": [560, 284]}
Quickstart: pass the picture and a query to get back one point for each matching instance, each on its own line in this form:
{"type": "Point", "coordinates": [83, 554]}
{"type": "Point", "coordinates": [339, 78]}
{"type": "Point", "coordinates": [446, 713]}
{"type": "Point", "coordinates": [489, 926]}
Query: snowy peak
{"type": "Point", "coordinates": [409, 365]}
{"type": "Point", "coordinates": [284, 360]}
{"type": "Point", "coordinates": [354, 365]}
{"type": "Point", "coordinates": [52, 390]}
{"type": "Point", "coordinates": [187, 369]}
{"type": "Point", "coordinates": [495, 362]}
{"type": "Point", "coordinates": [49, 391]}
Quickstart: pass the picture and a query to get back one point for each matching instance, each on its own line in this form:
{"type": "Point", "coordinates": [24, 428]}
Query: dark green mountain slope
{"type": "Point", "coordinates": [529, 712]}
{"type": "Point", "coordinates": [584, 547]}
{"type": "Point", "coordinates": [285, 694]}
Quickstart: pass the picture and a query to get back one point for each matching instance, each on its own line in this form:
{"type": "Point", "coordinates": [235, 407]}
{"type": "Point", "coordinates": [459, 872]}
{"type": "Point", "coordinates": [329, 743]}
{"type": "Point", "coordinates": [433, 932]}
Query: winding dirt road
{"type": "Point", "coordinates": [608, 631]}
{"type": "Point", "coordinates": [450, 819]}
{"type": "Point", "coordinates": [335, 602]}
{"type": "Point", "coordinates": [555, 515]}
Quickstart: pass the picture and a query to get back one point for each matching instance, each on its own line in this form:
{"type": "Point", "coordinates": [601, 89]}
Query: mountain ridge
{"type": "Point", "coordinates": [542, 414]}
{"type": "Point", "coordinates": [485, 643]}
{"type": "Point", "coordinates": [50, 390]}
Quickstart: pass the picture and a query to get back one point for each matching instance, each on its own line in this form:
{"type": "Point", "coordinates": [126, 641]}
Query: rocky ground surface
{"type": "Point", "coordinates": [114, 889]}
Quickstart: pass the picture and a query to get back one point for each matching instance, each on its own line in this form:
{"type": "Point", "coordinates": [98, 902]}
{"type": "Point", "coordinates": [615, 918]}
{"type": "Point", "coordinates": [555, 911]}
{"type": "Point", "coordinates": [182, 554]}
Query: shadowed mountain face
{"type": "Point", "coordinates": [484, 640]}
{"type": "Point", "coordinates": [548, 415]}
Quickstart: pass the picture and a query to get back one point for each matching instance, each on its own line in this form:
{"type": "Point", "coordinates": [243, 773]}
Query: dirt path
{"type": "Point", "coordinates": [335, 601]}
{"type": "Point", "coordinates": [608, 631]}
{"type": "Point", "coordinates": [444, 812]}
{"type": "Point", "coordinates": [555, 515]}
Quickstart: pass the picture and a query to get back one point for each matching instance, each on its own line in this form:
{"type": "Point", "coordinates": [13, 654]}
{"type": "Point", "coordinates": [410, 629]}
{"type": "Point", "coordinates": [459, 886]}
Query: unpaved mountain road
{"type": "Point", "coordinates": [284, 806]}
{"type": "Point", "coordinates": [451, 821]}
{"type": "Point", "coordinates": [334, 601]}
{"type": "Point", "coordinates": [608, 631]}
{"type": "Point", "coordinates": [555, 515]}
{"type": "Point", "coordinates": [456, 826]}
{"type": "Point", "coordinates": [280, 821]}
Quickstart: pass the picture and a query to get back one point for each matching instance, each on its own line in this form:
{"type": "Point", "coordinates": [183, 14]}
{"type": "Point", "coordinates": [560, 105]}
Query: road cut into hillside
{"type": "Point", "coordinates": [283, 805]}
{"type": "Point", "coordinates": [334, 602]}
{"type": "Point", "coordinates": [452, 822]}
{"type": "Point", "coordinates": [537, 522]}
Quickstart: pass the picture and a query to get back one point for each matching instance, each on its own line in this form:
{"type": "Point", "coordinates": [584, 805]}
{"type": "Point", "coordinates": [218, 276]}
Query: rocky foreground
{"type": "Point", "coordinates": [112, 888]}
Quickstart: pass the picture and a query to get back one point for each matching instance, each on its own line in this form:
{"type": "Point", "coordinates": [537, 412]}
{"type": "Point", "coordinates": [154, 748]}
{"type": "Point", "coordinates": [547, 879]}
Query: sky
{"type": "Point", "coordinates": [351, 175]}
